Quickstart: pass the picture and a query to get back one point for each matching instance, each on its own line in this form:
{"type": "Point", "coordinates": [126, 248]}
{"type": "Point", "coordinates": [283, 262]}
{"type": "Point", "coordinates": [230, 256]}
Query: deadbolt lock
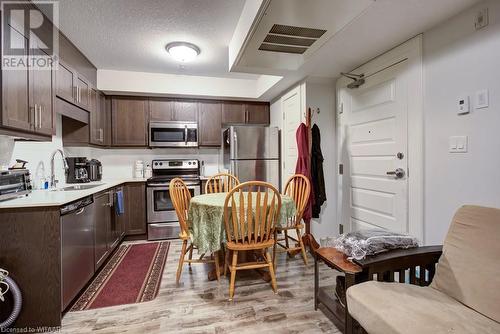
{"type": "Point", "coordinates": [400, 155]}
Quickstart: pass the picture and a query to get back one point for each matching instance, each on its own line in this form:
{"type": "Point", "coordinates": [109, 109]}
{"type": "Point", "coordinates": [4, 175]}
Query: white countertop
{"type": "Point", "coordinates": [43, 198]}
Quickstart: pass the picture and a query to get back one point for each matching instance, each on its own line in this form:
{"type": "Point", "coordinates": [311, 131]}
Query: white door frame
{"type": "Point", "coordinates": [411, 51]}
{"type": "Point", "coordinates": [298, 90]}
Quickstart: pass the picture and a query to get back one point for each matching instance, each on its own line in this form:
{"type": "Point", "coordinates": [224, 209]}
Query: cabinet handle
{"type": "Point", "coordinates": [40, 108]}
{"type": "Point", "coordinates": [101, 135]}
{"type": "Point", "coordinates": [31, 116]}
{"type": "Point", "coordinates": [36, 116]}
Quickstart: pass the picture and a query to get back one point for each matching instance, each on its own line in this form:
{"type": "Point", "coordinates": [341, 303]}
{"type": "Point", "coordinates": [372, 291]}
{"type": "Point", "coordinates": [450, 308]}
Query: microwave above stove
{"type": "Point", "coordinates": [173, 134]}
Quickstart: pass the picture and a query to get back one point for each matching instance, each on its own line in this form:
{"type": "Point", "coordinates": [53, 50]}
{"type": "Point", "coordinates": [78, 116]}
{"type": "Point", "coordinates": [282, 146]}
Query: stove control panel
{"type": "Point", "coordinates": [175, 164]}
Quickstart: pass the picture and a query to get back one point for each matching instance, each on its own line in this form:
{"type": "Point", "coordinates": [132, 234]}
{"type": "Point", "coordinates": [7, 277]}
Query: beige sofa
{"type": "Point", "coordinates": [464, 296]}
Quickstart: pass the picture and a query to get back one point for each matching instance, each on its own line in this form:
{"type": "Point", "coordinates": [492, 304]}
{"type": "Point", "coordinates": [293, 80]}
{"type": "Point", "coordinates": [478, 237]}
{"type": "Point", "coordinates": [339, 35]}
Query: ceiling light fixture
{"type": "Point", "coordinates": [183, 51]}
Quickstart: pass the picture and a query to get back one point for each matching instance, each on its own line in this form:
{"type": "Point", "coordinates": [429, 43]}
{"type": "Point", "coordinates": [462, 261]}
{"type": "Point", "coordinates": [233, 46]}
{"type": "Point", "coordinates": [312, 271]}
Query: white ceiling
{"type": "Point", "coordinates": [131, 34]}
{"type": "Point", "coordinates": [378, 28]}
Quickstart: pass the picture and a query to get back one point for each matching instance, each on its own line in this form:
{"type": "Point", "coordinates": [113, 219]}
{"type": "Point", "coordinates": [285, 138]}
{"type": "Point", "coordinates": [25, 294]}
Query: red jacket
{"type": "Point", "coordinates": [304, 164]}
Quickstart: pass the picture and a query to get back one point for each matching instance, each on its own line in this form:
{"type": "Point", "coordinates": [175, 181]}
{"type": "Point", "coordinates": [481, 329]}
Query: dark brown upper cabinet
{"type": "Point", "coordinates": [161, 110]}
{"type": "Point", "coordinates": [173, 110]}
{"type": "Point", "coordinates": [233, 113]}
{"type": "Point", "coordinates": [65, 82]}
{"type": "Point", "coordinates": [27, 99]}
{"type": "Point", "coordinates": [257, 113]}
{"type": "Point", "coordinates": [16, 113]}
{"type": "Point", "coordinates": [245, 113]}
{"type": "Point", "coordinates": [186, 111]}
{"type": "Point", "coordinates": [42, 98]}
{"type": "Point", "coordinates": [129, 121]}
{"type": "Point", "coordinates": [72, 86]}
{"type": "Point", "coordinates": [99, 119]}
{"type": "Point", "coordinates": [210, 121]}
{"type": "Point", "coordinates": [96, 135]}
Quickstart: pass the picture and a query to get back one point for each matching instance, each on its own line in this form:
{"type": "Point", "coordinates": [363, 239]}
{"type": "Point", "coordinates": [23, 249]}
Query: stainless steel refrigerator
{"type": "Point", "coordinates": [252, 153]}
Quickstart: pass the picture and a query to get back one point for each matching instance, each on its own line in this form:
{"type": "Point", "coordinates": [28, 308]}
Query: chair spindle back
{"type": "Point", "coordinates": [251, 212]}
{"type": "Point", "coordinates": [180, 196]}
{"type": "Point", "coordinates": [221, 183]}
{"type": "Point", "coordinates": [298, 187]}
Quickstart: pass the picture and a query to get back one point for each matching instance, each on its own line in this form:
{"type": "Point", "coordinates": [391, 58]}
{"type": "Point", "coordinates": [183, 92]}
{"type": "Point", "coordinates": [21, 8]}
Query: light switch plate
{"type": "Point", "coordinates": [481, 19]}
{"type": "Point", "coordinates": [482, 99]}
{"type": "Point", "coordinates": [458, 144]}
{"type": "Point", "coordinates": [463, 106]}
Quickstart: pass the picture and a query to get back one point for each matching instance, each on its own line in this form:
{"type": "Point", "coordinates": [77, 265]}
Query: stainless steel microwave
{"type": "Point", "coordinates": [173, 134]}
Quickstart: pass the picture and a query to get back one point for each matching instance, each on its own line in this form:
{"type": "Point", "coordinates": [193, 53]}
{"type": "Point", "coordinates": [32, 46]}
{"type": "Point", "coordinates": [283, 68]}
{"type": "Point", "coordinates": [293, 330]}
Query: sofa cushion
{"type": "Point", "coordinates": [389, 308]}
{"type": "Point", "coordinates": [469, 269]}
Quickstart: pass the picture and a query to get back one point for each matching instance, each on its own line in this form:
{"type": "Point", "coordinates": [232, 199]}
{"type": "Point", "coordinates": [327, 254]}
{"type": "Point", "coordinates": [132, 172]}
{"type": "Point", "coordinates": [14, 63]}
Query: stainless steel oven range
{"type": "Point", "coordinates": [162, 219]}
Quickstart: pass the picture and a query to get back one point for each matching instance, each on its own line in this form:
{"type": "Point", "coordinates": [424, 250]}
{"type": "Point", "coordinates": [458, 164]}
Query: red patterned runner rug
{"type": "Point", "coordinates": [132, 275]}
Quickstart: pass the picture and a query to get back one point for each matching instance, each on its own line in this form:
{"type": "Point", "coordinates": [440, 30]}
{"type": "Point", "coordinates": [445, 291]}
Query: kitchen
{"type": "Point", "coordinates": [128, 96]}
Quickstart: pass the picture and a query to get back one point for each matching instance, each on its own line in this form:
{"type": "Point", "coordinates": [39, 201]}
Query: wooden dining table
{"type": "Point", "coordinates": [206, 221]}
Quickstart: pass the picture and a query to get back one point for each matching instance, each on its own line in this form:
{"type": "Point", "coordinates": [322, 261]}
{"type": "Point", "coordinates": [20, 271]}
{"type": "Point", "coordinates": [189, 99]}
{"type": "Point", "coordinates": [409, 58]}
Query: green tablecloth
{"type": "Point", "coordinates": [206, 219]}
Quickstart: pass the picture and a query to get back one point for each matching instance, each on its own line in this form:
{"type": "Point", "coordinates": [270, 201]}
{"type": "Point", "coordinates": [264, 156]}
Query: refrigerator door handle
{"type": "Point", "coordinates": [235, 145]}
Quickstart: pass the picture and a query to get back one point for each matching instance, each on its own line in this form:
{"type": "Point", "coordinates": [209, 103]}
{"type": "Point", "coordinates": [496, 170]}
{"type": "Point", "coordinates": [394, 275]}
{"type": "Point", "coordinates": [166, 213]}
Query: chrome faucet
{"type": "Point", "coordinates": [53, 180]}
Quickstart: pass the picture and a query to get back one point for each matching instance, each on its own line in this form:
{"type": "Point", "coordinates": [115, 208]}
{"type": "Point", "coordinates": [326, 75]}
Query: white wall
{"type": "Point", "coordinates": [36, 153]}
{"type": "Point", "coordinates": [322, 96]}
{"type": "Point", "coordinates": [460, 60]}
{"type": "Point", "coordinates": [117, 163]}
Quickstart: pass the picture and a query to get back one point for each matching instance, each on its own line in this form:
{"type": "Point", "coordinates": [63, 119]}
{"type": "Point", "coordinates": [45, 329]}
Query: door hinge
{"type": "Point", "coordinates": [341, 107]}
{"type": "Point", "coordinates": [341, 228]}
{"type": "Point", "coordinates": [341, 169]}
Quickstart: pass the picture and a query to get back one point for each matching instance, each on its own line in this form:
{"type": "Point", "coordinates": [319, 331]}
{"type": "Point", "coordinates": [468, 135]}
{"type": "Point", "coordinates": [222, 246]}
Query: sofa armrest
{"type": "Point", "coordinates": [385, 265]}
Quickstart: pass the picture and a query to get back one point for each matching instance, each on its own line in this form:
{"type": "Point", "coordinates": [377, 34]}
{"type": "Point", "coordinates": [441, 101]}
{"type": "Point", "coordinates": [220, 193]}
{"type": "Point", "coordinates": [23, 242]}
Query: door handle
{"type": "Point", "coordinates": [185, 135]}
{"type": "Point", "coordinates": [79, 211]}
{"type": "Point", "coordinates": [399, 173]}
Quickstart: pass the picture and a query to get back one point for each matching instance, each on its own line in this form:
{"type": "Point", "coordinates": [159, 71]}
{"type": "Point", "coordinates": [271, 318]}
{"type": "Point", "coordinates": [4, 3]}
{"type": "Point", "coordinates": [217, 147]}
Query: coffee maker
{"type": "Point", "coordinates": [94, 169]}
{"type": "Point", "coordinates": [77, 172]}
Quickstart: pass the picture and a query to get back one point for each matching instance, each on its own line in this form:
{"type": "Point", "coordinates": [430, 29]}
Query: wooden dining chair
{"type": "Point", "coordinates": [251, 212]}
{"type": "Point", "coordinates": [297, 187]}
{"type": "Point", "coordinates": [221, 183]}
{"type": "Point", "coordinates": [180, 196]}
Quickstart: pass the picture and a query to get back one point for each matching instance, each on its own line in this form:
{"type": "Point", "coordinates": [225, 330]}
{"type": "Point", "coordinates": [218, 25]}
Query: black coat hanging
{"type": "Point", "coordinates": [317, 176]}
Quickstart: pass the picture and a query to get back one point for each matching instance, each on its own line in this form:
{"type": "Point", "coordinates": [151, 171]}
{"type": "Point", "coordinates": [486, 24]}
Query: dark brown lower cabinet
{"type": "Point", "coordinates": [102, 224]}
{"type": "Point", "coordinates": [135, 194]}
{"type": "Point", "coordinates": [119, 221]}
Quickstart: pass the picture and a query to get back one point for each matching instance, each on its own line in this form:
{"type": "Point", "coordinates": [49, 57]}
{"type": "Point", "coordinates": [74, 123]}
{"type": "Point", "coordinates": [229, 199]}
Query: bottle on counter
{"type": "Point", "coordinates": [148, 171]}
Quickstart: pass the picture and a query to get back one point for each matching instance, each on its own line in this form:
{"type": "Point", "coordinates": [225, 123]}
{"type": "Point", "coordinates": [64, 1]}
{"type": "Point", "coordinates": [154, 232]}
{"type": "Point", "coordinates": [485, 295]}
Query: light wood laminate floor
{"type": "Point", "coordinates": [200, 306]}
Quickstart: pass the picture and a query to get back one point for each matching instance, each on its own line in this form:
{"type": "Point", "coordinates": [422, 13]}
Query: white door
{"type": "Point", "coordinates": [292, 116]}
{"type": "Point", "coordinates": [375, 149]}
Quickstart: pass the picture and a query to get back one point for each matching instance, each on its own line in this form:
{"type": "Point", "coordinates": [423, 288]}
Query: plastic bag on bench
{"type": "Point", "coordinates": [357, 245]}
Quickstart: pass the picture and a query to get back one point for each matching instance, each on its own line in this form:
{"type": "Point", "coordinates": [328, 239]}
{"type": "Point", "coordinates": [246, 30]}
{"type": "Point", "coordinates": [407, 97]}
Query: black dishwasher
{"type": "Point", "coordinates": [77, 238]}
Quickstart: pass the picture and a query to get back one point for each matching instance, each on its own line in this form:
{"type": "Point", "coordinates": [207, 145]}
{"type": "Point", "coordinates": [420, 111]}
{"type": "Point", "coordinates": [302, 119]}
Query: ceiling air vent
{"type": "Point", "coordinates": [290, 39]}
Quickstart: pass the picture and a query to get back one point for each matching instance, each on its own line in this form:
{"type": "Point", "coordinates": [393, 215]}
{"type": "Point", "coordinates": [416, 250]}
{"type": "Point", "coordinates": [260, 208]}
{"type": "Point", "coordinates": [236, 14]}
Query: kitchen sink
{"type": "Point", "coordinates": [80, 187]}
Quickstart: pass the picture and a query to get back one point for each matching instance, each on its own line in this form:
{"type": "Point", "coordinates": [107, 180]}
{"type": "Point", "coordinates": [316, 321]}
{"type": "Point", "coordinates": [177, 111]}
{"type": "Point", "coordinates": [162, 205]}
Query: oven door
{"type": "Point", "coordinates": [173, 134]}
{"type": "Point", "coordinates": [159, 205]}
